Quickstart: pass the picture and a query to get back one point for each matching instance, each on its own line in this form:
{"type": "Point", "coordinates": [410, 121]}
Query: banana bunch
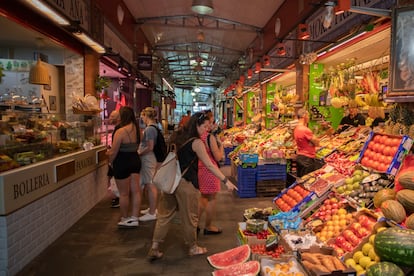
{"type": "Point", "coordinates": [372, 100]}
{"type": "Point", "coordinates": [360, 101]}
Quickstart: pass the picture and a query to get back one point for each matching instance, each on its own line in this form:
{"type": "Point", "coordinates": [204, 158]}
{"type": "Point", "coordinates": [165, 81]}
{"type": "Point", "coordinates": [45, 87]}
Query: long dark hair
{"type": "Point", "coordinates": [180, 136]}
{"type": "Point", "coordinates": [127, 116]}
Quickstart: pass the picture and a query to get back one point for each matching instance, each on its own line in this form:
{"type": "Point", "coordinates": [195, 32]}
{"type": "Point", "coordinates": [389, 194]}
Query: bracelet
{"type": "Point", "coordinates": [224, 181]}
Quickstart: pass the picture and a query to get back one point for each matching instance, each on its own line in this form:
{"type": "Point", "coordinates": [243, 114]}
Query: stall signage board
{"type": "Point", "coordinates": [24, 185]}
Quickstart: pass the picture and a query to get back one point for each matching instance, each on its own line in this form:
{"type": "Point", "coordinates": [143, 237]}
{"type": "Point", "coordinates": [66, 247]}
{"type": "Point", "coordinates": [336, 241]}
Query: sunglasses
{"type": "Point", "coordinates": [201, 118]}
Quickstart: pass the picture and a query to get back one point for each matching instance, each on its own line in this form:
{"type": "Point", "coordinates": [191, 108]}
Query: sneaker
{"type": "Point", "coordinates": [145, 211]}
{"type": "Point", "coordinates": [115, 203]}
{"type": "Point", "coordinates": [130, 222]}
{"type": "Point", "coordinates": [148, 217]}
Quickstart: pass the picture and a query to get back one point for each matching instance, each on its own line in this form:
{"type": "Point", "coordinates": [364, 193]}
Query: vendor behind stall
{"type": "Point", "coordinates": [306, 143]}
{"type": "Point", "coordinates": [354, 118]}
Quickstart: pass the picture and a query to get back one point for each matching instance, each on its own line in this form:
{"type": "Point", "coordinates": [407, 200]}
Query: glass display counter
{"type": "Point", "coordinates": [30, 137]}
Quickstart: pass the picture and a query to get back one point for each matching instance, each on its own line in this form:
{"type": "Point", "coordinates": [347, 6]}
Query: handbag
{"type": "Point", "coordinates": [169, 174]}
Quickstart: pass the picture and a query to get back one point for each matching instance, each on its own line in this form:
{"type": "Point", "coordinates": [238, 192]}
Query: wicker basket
{"type": "Point", "coordinates": [85, 112]}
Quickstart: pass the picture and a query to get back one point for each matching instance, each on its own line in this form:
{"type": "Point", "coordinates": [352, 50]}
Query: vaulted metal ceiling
{"type": "Point", "coordinates": [203, 50]}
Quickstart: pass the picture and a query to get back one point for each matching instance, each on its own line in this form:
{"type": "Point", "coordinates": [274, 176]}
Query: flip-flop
{"type": "Point", "coordinates": [154, 254]}
{"type": "Point", "coordinates": [213, 232]}
{"type": "Point", "coordinates": [197, 250]}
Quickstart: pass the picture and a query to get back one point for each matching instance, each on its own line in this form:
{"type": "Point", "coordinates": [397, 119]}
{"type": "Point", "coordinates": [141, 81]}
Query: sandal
{"type": "Point", "coordinates": [154, 254]}
{"type": "Point", "coordinates": [197, 250]}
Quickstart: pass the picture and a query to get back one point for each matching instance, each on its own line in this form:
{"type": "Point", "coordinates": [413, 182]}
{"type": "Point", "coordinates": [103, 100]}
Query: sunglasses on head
{"type": "Point", "coordinates": [201, 118]}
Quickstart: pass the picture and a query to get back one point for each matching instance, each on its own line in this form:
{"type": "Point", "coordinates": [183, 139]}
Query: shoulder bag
{"type": "Point", "coordinates": [169, 174]}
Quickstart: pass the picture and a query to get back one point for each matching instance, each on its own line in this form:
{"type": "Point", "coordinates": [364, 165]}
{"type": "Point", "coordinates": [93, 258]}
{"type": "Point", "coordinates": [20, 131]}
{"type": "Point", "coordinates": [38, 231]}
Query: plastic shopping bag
{"type": "Point", "coordinates": [112, 187]}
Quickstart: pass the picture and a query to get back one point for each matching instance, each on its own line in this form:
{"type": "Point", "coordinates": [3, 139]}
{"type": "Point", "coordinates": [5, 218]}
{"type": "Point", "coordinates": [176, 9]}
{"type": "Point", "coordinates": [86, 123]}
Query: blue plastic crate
{"type": "Point", "coordinates": [271, 172]}
{"type": "Point", "coordinates": [227, 160]}
{"type": "Point", "coordinates": [246, 181]}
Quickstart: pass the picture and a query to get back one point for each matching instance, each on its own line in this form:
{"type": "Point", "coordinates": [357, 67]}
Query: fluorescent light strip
{"type": "Point", "coordinates": [90, 42]}
{"type": "Point", "coordinates": [48, 12]}
{"type": "Point", "coordinates": [346, 41]}
{"type": "Point", "coordinates": [167, 84]}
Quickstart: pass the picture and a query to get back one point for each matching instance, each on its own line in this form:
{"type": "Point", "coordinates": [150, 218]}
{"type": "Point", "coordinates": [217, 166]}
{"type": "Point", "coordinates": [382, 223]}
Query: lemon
{"type": "Point", "coordinates": [357, 255]}
{"type": "Point", "coordinates": [374, 257]}
{"type": "Point", "coordinates": [359, 269]}
{"type": "Point", "coordinates": [366, 248]}
{"type": "Point", "coordinates": [381, 229]}
{"type": "Point", "coordinates": [364, 261]}
{"type": "Point", "coordinates": [371, 239]}
{"type": "Point", "coordinates": [350, 262]}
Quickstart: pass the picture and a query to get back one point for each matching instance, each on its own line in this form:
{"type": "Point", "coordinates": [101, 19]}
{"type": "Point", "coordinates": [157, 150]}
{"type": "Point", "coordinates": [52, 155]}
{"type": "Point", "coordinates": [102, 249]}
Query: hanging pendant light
{"type": "Point", "coordinates": [39, 73]}
{"type": "Point", "coordinates": [202, 6]}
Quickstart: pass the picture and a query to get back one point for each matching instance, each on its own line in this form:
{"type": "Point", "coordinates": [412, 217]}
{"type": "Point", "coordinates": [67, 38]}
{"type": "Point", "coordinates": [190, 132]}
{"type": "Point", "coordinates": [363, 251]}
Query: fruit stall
{"type": "Point", "coordinates": [353, 216]}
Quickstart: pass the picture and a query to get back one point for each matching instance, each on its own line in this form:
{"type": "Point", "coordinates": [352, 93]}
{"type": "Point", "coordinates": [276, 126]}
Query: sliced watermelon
{"type": "Point", "coordinates": [230, 257]}
{"type": "Point", "coordinates": [251, 268]}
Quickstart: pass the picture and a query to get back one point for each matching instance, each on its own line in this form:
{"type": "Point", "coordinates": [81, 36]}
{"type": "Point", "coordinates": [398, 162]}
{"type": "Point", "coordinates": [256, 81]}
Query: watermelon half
{"type": "Point", "coordinates": [251, 268]}
{"type": "Point", "coordinates": [230, 257]}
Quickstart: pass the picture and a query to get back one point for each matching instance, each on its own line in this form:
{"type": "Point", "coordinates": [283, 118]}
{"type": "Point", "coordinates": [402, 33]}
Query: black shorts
{"type": "Point", "coordinates": [125, 164]}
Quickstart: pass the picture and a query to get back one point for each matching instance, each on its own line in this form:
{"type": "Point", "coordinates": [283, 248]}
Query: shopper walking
{"type": "Point", "coordinates": [126, 166]}
{"type": "Point", "coordinates": [185, 198]}
{"type": "Point", "coordinates": [149, 162]}
{"type": "Point", "coordinates": [209, 184]}
{"type": "Point", "coordinates": [306, 143]}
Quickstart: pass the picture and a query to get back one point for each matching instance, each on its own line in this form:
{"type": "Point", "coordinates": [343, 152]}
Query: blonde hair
{"type": "Point", "coordinates": [150, 112]}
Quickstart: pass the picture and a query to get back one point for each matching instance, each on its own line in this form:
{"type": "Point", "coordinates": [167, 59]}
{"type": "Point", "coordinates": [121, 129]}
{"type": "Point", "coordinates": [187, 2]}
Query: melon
{"type": "Point", "coordinates": [406, 198]}
{"type": "Point", "coordinates": [384, 268]}
{"type": "Point", "coordinates": [409, 222]}
{"type": "Point", "coordinates": [246, 269]}
{"type": "Point", "coordinates": [383, 195]}
{"type": "Point", "coordinates": [395, 245]}
{"type": "Point", "coordinates": [393, 210]}
{"type": "Point", "coordinates": [230, 257]}
{"type": "Point", "coordinates": [406, 180]}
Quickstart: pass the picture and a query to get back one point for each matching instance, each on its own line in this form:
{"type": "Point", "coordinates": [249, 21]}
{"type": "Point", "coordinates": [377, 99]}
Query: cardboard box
{"type": "Point", "coordinates": [311, 196]}
{"type": "Point", "coordinates": [269, 266]}
{"type": "Point", "coordinates": [403, 149]}
{"type": "Point", "coordinates": [329, 252]}
{"type": "Point", "coordinates": [252, 239]}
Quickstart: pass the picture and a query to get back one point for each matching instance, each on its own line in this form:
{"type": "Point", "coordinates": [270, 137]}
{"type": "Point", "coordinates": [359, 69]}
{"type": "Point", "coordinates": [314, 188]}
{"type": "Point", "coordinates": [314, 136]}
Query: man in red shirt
{"type": "Point", "coordinates": [306, 143]}
{"type": "Point", "coordinates": [185, 119]}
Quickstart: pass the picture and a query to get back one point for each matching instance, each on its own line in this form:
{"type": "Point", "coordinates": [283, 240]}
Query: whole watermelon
{"type": "Point", "coordinates": [395, 245]}
{"type": "Point", "coordinates": [384, 268]}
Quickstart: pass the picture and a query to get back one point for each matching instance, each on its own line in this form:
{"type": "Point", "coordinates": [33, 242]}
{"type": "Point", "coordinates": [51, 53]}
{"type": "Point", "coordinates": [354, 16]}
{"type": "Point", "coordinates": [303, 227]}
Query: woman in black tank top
{"type": "Point", "coordinates": [126, 166]}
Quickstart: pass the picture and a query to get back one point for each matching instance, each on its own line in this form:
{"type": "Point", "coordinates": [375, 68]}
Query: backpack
{"type": "Point", "coordinates": [160, 147]}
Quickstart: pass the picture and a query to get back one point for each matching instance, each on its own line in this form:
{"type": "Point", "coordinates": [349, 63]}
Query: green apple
{"type": "Point", "coordinates": [340, 189]}
{"type": "Point", "coordinates": [357, 172]}
{"type": "Point", "coordinates": [349, 180]}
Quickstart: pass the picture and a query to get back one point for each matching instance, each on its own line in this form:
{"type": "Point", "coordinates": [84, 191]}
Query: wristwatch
{"type": "Point", "coordinates": [224, 181]}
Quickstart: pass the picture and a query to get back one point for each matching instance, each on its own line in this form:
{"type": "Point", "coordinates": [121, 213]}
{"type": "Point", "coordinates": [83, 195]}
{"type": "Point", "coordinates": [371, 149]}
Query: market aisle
{"type": "Point", "coordinates": [95, 246]}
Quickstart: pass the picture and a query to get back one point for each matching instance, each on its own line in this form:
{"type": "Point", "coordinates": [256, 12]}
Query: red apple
{"type": "Point", "coordinates": [340, 240]}
{"type": "Point", "coordinates": [355, 226]}
{"type": "Point", "coordinates": [347, 233]}
{"type": "Point", "coordinates": [347, 246]}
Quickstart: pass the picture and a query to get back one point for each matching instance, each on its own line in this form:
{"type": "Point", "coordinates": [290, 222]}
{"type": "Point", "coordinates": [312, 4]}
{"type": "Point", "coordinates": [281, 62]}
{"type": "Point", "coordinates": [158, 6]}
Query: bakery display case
{"type": "Point", "coordinates": [29, 137]}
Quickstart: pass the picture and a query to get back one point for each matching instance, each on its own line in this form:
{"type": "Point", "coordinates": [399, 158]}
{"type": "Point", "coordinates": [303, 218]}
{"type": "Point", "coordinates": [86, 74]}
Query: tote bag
{"type": "Point", "coordinates": [168, 175]}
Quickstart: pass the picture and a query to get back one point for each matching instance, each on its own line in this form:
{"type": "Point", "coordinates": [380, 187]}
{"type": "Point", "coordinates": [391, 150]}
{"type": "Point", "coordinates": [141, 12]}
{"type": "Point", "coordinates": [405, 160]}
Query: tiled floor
{"type": "Point", "coordinates": [95, 246]}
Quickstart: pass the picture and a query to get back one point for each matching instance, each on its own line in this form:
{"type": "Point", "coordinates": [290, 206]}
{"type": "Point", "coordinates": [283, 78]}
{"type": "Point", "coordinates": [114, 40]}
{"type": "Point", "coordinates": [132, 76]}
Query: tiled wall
{"type": "Point", "coordinates": [25, 233]}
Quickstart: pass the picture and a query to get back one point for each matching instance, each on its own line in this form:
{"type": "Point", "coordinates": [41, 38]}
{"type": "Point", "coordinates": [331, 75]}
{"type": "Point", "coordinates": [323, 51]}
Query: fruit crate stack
{"type": "Point", "coordinates": [246, 182]}
{"type": "Point", "coordinates": [270, 179]}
